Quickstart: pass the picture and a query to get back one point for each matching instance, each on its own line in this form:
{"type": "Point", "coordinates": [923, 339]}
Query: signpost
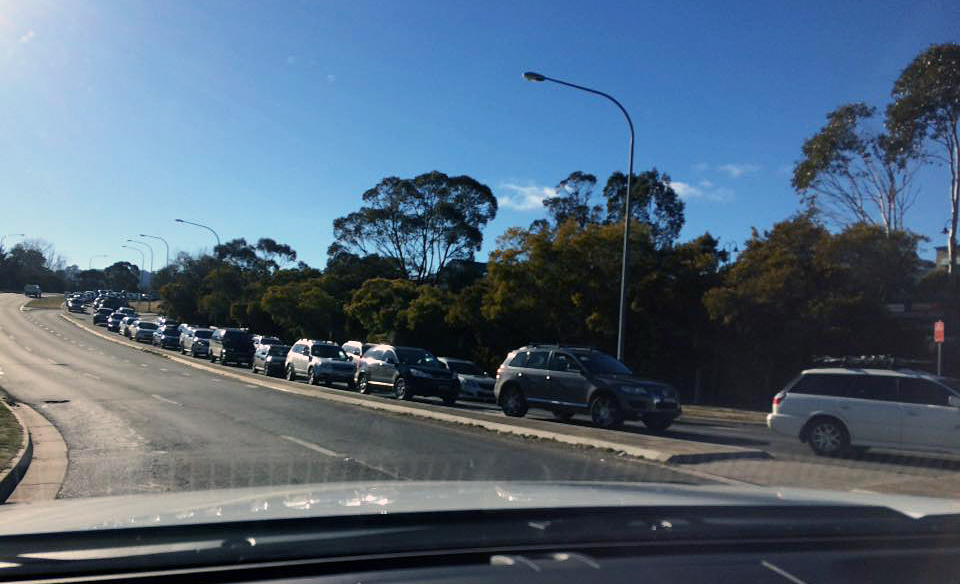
{"type": "Point", "coordinates": [938, 334]}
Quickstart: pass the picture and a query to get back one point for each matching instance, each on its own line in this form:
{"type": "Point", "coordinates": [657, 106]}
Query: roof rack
{"type": "Point", "coordinates": [556, 344]}
{"type": "Point", "coordinates": [869, 361]}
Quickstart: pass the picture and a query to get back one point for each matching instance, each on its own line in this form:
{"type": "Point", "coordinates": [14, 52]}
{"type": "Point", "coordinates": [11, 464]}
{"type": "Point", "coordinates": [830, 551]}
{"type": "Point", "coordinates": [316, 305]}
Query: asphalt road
{"type": "Point", "coordinates": [137, 423]}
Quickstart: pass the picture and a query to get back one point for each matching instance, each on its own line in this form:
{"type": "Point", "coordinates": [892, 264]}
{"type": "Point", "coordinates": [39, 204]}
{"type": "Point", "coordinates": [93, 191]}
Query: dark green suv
{"type": "Point", "coordinates": [569, 380]}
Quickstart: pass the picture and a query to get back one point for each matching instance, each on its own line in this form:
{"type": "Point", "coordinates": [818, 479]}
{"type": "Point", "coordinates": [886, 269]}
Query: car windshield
{"type": "Point", "coordinates": [328, 351]}
{"type": "Point", "coordinates": [465, 367]}
{"type": "Point", "coordinates": [418, 357]}
{"type": "Point", "coordinates": [600, 364]}
{"type": "Point", "coordinates": [589, 243]}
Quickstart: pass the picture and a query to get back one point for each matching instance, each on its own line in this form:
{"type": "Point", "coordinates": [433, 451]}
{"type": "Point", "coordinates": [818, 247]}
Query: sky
{"type": "Point", "coordinates": [271, 118]}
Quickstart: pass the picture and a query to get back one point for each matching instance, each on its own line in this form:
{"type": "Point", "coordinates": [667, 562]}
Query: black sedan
{"type": "Point", "coordinates": [101, 316]}
{"type": "Point", "coordinates": [167, 337]}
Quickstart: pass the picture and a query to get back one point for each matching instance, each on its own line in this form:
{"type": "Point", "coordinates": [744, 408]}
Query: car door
{"type": "Point", "coordinates": [566, 384]}
{"type": "Point", "coordinates": [371, 365]}
{"type": "Point", "coordinates": [871, 409]}
{"type": "Point", "coordinates": [388, 367]}
{"type": "Point", "coordinates": [929, 421]}
{"type": "Point", "coordinates": [533, 375]}
{"type": "Point", "coordinates": [299, 359]}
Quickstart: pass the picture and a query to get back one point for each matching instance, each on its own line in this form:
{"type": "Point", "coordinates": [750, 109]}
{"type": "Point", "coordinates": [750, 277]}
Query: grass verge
{"type": "Point", "coordinates": [725, 414]}
{"type": "Point", "coordinates": [46, 302]}
{"type": "Point", "coordinates": [10, 437]}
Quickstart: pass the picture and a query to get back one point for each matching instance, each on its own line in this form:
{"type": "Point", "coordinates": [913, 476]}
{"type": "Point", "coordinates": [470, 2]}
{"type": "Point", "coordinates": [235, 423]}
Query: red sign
{"type": "Point", "coordinates": [938, 331]}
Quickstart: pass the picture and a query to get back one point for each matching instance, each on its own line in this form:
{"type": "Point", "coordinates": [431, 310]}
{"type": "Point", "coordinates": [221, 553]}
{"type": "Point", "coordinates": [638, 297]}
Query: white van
{"type": "Point", "coordinates": [838, 410]}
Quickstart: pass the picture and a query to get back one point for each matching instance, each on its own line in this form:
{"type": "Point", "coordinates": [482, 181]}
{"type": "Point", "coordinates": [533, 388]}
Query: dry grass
{"type": "Point", "coordinates": [46, 302]}
{"type": "Point", "coordinates": [9, 436]}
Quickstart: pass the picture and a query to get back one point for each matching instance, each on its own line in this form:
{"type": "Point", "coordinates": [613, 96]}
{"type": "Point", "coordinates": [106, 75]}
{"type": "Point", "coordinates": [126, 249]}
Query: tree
{"type": "Point", "coordinates": [854, 174]}
{"type": "Point", "coordinates": [421, 223]}
{"type": "Point", "coordinates": [572, 200]}
{"type": "Point", "coordinates": [305, 309]}
{"type": "Point", "coordinates": [926, 108]}
{"type": "Point", "coordinates": [122, 276]}
{"type": "Point", "coordinates": [653, 202]}
{"type": "Point", "coordinates": [380, 306]}
{"type": "Point", "coordinates": [90, 279]}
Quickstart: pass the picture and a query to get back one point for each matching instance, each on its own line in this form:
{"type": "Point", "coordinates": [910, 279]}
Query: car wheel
{"type": "Point", "coordinates": [512, 402]}
{"type": "Point", "coordinates": [312, 378]}
{"type": "Point", "coordinates": [657, 424]}
{"type": "Point", "coordinates": [563, 416]}
{"type": "Point", "coordinates": [401, 390]}
{"type": "Point", "coordinates": [253, 368]}
{"type": "Point", "coordinates": [362, 384]}
{"type": "Point", "coordinates": [449, 399]}
{"type": "Point", "coordinates": [605, 412]}
{"type": "Point", "coordinates": [828, 437]}
{"type": "Point", "coordinates": [291, 374]}
{"type": "Point", "coordinates": [213, 358]}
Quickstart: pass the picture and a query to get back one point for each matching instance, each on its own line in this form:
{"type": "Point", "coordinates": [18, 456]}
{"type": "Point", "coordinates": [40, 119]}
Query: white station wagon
{"type": "Point", "coordinates": [838, 410]}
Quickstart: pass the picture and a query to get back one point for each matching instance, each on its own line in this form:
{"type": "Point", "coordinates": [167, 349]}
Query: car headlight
{"type": "Point", "coordinates": [634, 390]}
{"type": "Point", "coordinates": [418, 373]}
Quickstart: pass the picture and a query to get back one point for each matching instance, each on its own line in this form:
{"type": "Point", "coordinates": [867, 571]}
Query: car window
{"type": "Point", "coordinates": [277, 350]}
{"type": "Point", "coordinates": [418, 357]}
{"type": "Point", "coordinates": [328, 352]}
{"type": "Point", "coordinates": [537, 360]}
{"type": "Point", "coordinates": [601, 363]}
{"type": "Point", "coordinates": [825, 384]}
{"type": "Point", "coordinates": [465, 368]}
{"type": "Point", "coordinates": [922, 392]}
{"type": "Point", "coordinates": [202, 334]}
{"type": "Point", "coordinates": [149, 326]}
{"type": "Point", "coordinates": [875, 387]}
{"type": "Point", "coordinates": [375, 354]}
{"type": "Point", "coordinates": [560, 361]}
{"type": "Point", "coordinates": [520, 359]}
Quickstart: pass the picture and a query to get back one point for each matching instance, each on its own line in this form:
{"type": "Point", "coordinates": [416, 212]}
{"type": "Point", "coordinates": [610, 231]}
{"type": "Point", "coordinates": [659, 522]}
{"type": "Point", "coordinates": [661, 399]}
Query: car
{"type": "Point", "coordinates": [113, 321]}
{"type": "Point", "coordinates": [125, 324]}
{"type": "Point", "coordinates": [101, 316]}
{"type": "Point", "coordinates": [110, 302]}
{"type": "Point", "coordinates": [143, 331]}
{"type": "Point", "coordinates": [475, 383]}
{"type": "Point", "coordinates": [568, 380]}
{"type": "Point", "coordinates": [848, 409]}
{"type": "Point", "coordinates": [195, 341]}
{"type": "Point", "coordinates": [75, 305]}
{"type": "Point", "coordinates": [319, 361]}
{"type": "Point", "coordinates": [271, 359]}
{"type": "Point", "coordinates": [166, 337]}
{"type": "Point", "coordinates": [261, 340]}
{"type": "Point", "coordinates": [356, 349]}
{"type": "Point", "coordinates": [409, 371]}
{"type": "Point", "coordinates": [166, 320]}
{"type": "Point", "coordinates": [32, 291]}
{"type": "Point", "coordinates": [231, 345]}
{"type": "Point", "coordinates": [126, 310]}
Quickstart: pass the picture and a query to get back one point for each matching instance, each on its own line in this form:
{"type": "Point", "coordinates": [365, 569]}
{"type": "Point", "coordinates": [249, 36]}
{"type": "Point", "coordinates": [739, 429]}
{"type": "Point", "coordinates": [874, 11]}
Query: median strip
{"type": "Point", "coordinates": [646, 447]}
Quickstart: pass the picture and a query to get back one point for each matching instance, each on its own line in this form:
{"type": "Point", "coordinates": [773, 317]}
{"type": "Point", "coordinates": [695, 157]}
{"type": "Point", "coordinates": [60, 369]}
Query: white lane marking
{"type": "Point", "coordinates": [162, 369]}
{"type": "Point", "coordinates": [13, 338]}
{"type": "Point", "coordinates": [248, 385]}
{"type": "Point", "coordinates": [126, 360]}
{"type": "Point", "coordinates": [782, 572]}
{"type": "Point", "coordinates": [144, 365]}
{"type": "Point", "coordinates": [185, 374]}
{"type": "Point", "coordinates": [27, 349]}
{"type": "Point", "coordinates": [311, 446]}
{"type": "Point", "coordinates": [163, 399]}
{"type": "Point", "coordinates": [52, 362]}
{"type": "Point", "coordinates": [92, 376]}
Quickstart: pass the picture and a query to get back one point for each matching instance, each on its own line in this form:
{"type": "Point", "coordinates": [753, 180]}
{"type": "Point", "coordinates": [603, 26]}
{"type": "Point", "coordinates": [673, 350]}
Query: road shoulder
{"type": "Point", "coordinates": [15, 467]}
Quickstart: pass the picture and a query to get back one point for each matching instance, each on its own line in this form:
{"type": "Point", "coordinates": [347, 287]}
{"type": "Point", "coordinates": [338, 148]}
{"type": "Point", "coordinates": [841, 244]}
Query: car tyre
{"type": "Point", "coordinates": [450, 399]}
{"type": "Point", "coordinates": [312, 377]}
{"type": "Point", "coordinates": [828, 437]}
{"type": "Point", "coordinates": [657, 424]}
{"type": "Point", "coordinates": [401, 390]}
{"type": "Point", "coordinates": [513, 402]}
{"type": "Point", "coordinates": [562, 415]}
{"type": "Point", "coordinates": [253, 368]}
{"type": "Point", "coordinates": [605, 412]}
{"type": "Point", "coordinates": [291, 373]}
{"type": "Point", "coordinates": [363, 386]}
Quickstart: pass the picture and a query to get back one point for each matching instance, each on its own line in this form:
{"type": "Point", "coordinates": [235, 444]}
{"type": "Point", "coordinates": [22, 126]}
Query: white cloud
{"type": "Point", "coordinates": [28, 36]}
{"type": "Point", "coordinates": [704, 191]}
{"type": "Point", "coordinates": [525, 198]}
{"type": "Point", "coordinates": [738, 170]}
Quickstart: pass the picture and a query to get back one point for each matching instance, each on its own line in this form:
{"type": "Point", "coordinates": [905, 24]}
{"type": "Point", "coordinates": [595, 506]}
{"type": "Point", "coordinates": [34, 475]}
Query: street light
{"type": "Point", "coordinates": [90, 263]}
{"type": "Point", "coordinates": [143, 259]}
{"type": "Point", "coordinates": [201, 225]}
{"type": "Point", "coordinates": [10, 235]}
{"type": "Point", "coordinates": [151, 253]}
{"type": "Point", "coordinates": [167, 245]}
{"type": "Point", "coordinates": [531, 76]}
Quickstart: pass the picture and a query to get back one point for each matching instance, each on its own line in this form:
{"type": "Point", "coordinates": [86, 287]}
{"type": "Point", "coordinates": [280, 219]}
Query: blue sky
{"type": "Point", "coordinates": [271, 118]}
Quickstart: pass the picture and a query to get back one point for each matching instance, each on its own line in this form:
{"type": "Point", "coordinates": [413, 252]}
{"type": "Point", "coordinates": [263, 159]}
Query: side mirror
{"type": "Point", "coordinates": [571, 367]}
{"type": "Point", "coordinates": [953, 401]}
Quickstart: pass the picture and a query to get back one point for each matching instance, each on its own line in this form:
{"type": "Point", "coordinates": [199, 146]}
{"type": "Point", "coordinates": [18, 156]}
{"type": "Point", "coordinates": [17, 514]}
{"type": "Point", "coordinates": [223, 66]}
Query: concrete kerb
{"type": "Point", "coordinates": [11, 477]}
{"type": "Point", "coordinates": [374, 403]}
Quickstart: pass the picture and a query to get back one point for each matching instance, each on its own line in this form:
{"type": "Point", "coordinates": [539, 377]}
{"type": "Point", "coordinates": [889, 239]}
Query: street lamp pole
{"type": "Point", "coordinates": [165, 244]}
{"type": "Point", "coordinates": [143, 259]}
{"type": "Point", "coordinates": [90, 263]}
{"type": "Point", "coordinates": [621, 325]}
{"type": "Point", "coordinates": [151, 252]}
{"type": "Point", "coordinates": [210, 229]}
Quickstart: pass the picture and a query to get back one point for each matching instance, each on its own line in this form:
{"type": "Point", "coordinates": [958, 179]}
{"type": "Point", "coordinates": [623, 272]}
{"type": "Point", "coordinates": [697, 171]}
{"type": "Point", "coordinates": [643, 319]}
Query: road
{"type": "Point", "coordinates": [138, 423]}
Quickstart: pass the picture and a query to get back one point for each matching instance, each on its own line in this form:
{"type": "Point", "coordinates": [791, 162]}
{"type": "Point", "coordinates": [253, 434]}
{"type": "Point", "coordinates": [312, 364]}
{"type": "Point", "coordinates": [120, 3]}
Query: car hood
{"type": "Point", "coordinates": [338, 499]}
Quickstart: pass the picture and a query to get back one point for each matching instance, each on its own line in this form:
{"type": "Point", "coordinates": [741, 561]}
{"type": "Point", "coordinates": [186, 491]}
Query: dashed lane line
{"type": "Point", "coordinates": [165, 400]}
{"type": "Point", "coordinates": [311, 446]}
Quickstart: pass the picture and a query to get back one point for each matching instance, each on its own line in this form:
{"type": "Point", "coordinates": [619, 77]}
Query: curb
{"type": "Point", "coordinates": [651, 454]}
{"type": "Point", "coordinates": [10, 478]}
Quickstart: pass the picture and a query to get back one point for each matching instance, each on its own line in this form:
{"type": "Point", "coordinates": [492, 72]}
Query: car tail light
{"type": "Point", "coordinates": [777, 400]}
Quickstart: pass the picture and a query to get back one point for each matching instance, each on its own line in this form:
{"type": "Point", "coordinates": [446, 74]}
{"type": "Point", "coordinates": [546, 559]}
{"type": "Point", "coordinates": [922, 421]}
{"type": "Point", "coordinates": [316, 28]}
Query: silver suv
{"type": "Point", "coordinates": [568, 380]}
{"type": "Point", "coordinates": [319, 361]}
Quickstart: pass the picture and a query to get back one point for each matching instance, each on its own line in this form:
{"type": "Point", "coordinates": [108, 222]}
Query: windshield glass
{"type": "Point", "coordinates": [278, 350]}
{"type": "Point", "coordinates": [465, 368]}
{"type": "Point", "coordinates": [147, 326]}
{"type": "Point", "coordinates": [328, 351]}
{"type": "Point", "coordinates": [269, 341]}
{"type": "Point", "coordinates": [203, 334]}
{"type": "Point", "coordinates": [418, 357]}
{"type": "Point", "coordinates": [598, 363]}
